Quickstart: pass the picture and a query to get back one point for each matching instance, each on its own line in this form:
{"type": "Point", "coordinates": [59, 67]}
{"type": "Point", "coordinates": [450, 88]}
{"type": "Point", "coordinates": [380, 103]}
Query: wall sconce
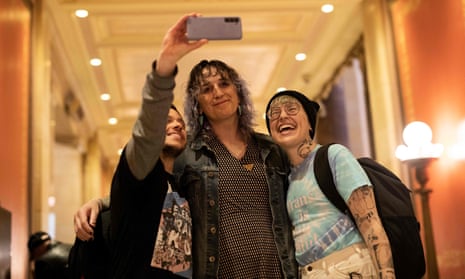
{"type": "Point", "coordinates": [418, 153]}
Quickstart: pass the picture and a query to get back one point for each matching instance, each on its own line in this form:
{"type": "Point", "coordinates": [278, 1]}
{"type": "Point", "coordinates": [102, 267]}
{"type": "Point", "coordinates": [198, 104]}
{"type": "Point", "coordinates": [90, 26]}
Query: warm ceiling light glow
{"type": "Point", "coordinates": [95, 62]}
{"type": "Point", "coordinates": [51, 201]}
{"type": "Point", "coordinates": [112, 121]}
{"type": "Point", "coordinates": [105, 97]}
{"type": "Point", "coordinates": [81, 13]}
{"type": "Point", "coordinates": [300, 56]}
{"type": "Point", "coordinates": [327, 8]}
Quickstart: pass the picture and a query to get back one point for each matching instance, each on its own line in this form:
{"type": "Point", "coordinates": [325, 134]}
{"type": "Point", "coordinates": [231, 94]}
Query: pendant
{"type": "Point", "coordinates": [248, 167]}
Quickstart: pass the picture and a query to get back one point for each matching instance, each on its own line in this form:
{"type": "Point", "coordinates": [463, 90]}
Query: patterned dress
{"type": "Point", "coordinates": [246, 243]}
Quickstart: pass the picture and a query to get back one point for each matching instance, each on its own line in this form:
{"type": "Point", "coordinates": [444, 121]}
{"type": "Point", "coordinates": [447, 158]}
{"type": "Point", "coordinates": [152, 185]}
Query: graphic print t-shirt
{"type": "Point", "coordinates": [172, 249]}
{"type": "Point", "coordinates": [319, 227]}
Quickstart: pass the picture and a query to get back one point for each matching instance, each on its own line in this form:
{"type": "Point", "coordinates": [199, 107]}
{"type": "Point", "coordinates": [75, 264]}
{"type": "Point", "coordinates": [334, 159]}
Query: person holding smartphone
{"type": "Point", "coordinates": [233, 177]}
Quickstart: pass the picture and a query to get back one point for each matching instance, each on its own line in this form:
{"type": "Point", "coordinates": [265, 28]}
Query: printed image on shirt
{"type": "Point", "coordinates": [319, 227]}
{"type": "Point", "coordinates": [173, 244]}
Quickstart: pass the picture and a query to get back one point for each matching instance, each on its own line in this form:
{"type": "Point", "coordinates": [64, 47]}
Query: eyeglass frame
{"type": "Point", "coordinates": [287, 108]}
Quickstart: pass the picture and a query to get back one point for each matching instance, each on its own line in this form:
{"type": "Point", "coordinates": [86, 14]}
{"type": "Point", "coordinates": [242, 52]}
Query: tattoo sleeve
{"type": "Point", "coordinates": [363, 207]}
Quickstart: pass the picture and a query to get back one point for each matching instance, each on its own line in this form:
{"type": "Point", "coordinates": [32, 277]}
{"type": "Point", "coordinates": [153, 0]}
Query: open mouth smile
{"type": "Point", "coordinates": [285, 127]}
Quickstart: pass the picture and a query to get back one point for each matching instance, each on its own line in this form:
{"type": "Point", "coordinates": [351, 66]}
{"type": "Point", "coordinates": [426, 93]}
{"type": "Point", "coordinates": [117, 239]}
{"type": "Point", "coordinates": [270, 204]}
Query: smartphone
{"type": "Point", "coordinates": [214, 28]}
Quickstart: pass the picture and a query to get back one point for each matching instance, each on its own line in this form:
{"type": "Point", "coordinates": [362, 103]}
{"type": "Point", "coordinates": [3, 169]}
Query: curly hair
{"type": "Point", "coordinates": [246, 110]}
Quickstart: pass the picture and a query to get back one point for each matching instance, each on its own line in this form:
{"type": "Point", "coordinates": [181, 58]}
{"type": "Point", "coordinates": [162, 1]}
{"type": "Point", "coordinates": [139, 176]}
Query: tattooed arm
{"type": "Point", "coordinates": [362, 206]}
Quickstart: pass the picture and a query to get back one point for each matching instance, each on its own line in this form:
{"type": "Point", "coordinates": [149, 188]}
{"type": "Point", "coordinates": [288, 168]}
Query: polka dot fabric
{"type": "Point", "coordinates": [246, 242]}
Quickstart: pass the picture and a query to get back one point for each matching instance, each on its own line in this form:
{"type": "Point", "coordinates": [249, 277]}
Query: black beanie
{"type": "Point", "coordinates": [310, 107]}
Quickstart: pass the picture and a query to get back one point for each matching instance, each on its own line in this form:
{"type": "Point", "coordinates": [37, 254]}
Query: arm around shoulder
{"type": "Point", "coordinates": [85, 218]}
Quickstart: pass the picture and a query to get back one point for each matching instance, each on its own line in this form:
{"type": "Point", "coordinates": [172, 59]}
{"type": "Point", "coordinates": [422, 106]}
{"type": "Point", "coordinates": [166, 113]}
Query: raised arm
{"type": "Point", "coordinates": [146, 143]}
{"type": "Point", "coordinates": [175, 45]}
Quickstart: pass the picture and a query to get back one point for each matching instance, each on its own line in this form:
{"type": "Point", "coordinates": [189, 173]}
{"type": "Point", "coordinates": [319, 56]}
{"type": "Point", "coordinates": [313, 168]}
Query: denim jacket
{"type": "Point", "coordinates": [197, 170]}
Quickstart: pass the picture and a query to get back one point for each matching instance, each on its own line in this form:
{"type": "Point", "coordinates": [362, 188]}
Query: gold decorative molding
{"type": "Point", "coordinates": [402, 58]}
{"type": "Point", "coordinates": [357, 51]}
{"type": "Point", "coordinates": [407, 6]}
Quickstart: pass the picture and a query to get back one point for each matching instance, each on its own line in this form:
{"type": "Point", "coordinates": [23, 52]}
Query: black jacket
{"type": "Point", "coordinates": [136, 207]}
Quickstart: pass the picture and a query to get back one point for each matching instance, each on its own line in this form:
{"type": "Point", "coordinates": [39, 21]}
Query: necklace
{"type": "Point", "coordinates": [240, 154]}
{"type": "Point", "coordinates": [237, 152]}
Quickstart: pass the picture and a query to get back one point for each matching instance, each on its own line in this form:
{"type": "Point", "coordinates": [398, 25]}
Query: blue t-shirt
{"type": "Point", "coordinates": [319, 227]}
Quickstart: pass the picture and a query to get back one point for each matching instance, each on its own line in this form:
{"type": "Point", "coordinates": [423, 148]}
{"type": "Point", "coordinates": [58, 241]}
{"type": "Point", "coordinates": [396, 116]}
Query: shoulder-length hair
{"type": "Point", "coordinates": [246, 110]}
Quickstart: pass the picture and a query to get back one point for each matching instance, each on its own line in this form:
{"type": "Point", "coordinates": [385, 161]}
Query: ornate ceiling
{"type": "Point", "coordinates": [126, 35]}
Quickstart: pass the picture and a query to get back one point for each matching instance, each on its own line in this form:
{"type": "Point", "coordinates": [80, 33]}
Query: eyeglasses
{"type": "Point", "coordinates": [290, 109]}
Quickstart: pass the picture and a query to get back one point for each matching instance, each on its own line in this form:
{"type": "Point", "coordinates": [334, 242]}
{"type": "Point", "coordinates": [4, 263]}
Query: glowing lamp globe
{"type": "Point", "coordinates": [417, 133]}
{"type": "Point", "coordinates": [417, 136]}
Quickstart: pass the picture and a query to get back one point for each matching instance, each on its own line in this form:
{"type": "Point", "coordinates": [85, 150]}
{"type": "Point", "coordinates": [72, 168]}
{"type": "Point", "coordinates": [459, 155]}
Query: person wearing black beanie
{"type": "Point", "coordinates": [310, 107]}
{"type": "Point", "coordinates": [329, 244]}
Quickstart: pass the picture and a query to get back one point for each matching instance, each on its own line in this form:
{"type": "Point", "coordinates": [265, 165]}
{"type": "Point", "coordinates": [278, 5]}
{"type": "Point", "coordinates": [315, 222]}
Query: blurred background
{"type": "Point", "coordinates": [72, 73]}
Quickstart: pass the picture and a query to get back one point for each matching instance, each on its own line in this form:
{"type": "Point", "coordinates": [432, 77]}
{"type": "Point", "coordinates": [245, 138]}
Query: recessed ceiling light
{"type": "Point", "coordinates": [327, 8]}
{"type": "Point", "coordinates": [300, 56]}
{"type": "Point", "coordinates": [95, 62]}
{"type": "Point", "coordinates": [112, 120]}
{"type": "Point", "coordinates": [81, 13]}
{"type": "Point", "coordinates": [281, 89]}
{"type": "Point", "coordinates": [105, 97]}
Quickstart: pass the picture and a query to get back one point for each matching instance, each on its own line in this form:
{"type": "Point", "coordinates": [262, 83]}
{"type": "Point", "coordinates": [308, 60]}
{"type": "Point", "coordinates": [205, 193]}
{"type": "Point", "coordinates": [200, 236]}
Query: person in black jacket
{"type": "Point", "coordinates": [149, 231]}
{"type": "Point", "coordinates": [150, 222]}
{"type": "Point", "coordinates": [49, 257]}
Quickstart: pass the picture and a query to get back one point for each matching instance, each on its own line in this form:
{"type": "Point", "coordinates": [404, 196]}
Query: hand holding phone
{"type": "Point", "coordinates": [214, 28]}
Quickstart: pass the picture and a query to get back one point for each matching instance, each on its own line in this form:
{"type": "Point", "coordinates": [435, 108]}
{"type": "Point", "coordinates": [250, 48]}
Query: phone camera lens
{"type": "Point", "coordinates": [231, 19]}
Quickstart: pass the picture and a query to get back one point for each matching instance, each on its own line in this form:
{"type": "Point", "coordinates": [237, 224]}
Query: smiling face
{"type": "Point", "coordinates": [218, 98]}
{"type": "Point", "coordinates": [175, 137]}
{"type": "Point", "coordinates": [289, 125]}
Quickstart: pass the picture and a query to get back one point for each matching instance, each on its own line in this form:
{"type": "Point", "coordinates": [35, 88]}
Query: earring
{"type": "Point", "coordinates": [239, 110]}
{"type": "Point", "coordinates": [201, 120]}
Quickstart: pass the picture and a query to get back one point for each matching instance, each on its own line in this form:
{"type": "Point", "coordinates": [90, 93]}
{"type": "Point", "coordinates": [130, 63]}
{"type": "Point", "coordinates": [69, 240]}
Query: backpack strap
{"type": "Point", "coordinates": [324, 178]}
